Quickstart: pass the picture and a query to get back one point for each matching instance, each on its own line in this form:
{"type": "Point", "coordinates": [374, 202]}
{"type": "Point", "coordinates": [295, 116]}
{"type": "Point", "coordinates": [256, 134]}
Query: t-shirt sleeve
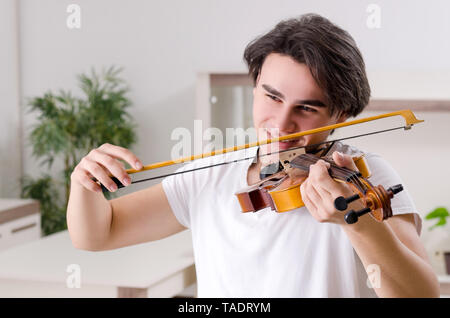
{"type": "Point", "coordinates": [384, 174]}
{"type": "Point", "coordinates": [176, 189]}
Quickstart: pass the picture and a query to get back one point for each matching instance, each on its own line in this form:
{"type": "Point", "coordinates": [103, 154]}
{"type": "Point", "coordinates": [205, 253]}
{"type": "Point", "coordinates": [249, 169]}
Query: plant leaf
{"type": "Point", "coordinates": [439, 212]}
{"type": "Point", "coordinates": [442, 221]}
{"type": "Point", "coordinates": [68, 128]}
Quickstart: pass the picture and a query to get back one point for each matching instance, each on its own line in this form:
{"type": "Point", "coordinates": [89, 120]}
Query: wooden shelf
{"type": "Point", "coordinates": [413, 104]}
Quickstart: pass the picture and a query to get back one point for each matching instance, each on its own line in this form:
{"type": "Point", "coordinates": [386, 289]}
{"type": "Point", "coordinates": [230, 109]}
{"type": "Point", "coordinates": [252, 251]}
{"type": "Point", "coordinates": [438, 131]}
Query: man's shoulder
{"type": "Point", "coordinates": [346, 149]}
{"type": "Point", "coordinates": [376, 162]}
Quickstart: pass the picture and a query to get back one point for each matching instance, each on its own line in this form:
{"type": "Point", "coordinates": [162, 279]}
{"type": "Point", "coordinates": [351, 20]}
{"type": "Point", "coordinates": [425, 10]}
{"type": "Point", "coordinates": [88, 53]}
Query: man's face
{"type": "Point", "coordinates": [287, 98]}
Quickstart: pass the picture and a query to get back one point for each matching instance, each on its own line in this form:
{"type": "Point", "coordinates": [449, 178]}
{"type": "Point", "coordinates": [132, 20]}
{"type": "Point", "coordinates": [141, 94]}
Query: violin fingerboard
{"type": "Point", "coordinates": [304, 161]}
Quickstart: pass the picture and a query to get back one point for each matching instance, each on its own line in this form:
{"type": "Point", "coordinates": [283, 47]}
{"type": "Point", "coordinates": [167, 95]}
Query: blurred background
{"type": "Point", "coordinates": [160, 65]}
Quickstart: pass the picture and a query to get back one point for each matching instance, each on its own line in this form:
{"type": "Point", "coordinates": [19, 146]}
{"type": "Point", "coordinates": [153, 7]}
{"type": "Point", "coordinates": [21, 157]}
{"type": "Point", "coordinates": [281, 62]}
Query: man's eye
{"type": "Point", "coordinates": [273, 97]}
{"type": "Point", "coordinates": [306, 108]}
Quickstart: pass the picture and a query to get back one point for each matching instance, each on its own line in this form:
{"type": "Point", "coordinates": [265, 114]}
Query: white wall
{"type": "Point", "coordinates": [162, 45]}
{"type": "Point", "coordinates": [10, 121]}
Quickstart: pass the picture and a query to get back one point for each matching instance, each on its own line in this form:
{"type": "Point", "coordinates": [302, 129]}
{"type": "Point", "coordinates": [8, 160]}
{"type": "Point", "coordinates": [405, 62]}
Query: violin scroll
{"type": "Point", "coordinates": [377, 201]}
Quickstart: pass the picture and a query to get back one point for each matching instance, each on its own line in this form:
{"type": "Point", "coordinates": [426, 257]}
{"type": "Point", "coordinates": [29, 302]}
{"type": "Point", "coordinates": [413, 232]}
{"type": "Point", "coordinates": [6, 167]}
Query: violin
{"type": "Point", "coordinates": [281, 191]}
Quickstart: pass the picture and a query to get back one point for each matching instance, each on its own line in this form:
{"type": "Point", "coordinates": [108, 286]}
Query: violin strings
{"type": "Point", "coordinates": [352, 177]}
{"type": "Point", "coordinates": [337, 172]}
{"type": "Point", "coordinates": [270, 153]}
{"type": "Point", "coordinates": [341, 173]}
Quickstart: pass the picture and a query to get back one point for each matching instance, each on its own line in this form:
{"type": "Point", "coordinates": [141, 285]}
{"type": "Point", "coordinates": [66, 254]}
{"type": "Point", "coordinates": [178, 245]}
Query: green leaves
{"type": "Point", "coordinates": [104, 115]}
{"type": "Point", "coordinates": [440, 213]}
{"type": "Point", "coordinates": [45, 191]}
{"type": "Point", "coordinates": [69, 127]}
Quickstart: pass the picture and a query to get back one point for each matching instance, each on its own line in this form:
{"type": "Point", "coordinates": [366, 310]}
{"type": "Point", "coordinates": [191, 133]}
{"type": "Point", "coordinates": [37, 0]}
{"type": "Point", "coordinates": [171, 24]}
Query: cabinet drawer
{"type": "Point", "coordinates": [20, 230]}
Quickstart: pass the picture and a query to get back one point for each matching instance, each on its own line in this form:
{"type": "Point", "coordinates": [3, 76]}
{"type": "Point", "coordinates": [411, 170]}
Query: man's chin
{"type": "Point", "coordinates": [285, 145]}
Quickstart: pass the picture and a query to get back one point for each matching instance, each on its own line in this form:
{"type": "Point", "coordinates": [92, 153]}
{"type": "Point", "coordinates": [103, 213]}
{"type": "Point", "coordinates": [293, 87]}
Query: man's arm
{"type": "Point", "coordinates": [393, 245]}
{"type": "Point", "coordinates": [140, 217]}
{"type": "Point", "coordinates": [95, 223]}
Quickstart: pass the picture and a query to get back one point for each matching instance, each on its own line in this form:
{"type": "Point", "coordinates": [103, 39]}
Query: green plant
{"type": "Point", "coordinates": [69, 127]}
{"type": "Point", "coordinates": [440, 213]}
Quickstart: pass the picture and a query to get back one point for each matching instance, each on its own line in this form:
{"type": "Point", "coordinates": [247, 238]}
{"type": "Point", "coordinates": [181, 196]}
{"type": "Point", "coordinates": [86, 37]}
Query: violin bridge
{"type": "Point", "coordinates": [287, 156]}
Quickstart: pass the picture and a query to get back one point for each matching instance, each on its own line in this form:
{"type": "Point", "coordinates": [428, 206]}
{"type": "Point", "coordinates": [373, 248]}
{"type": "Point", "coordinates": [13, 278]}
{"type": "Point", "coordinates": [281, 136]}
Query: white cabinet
{"type": "Point", "coordinates": [20, 222]}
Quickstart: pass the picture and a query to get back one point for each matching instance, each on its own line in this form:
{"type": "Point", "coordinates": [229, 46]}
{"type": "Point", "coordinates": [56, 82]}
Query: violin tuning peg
{"type": "Point", "coordinates": [341, 203]}
{"type": "Point", "coordinates": [395, 189]}
{"type": "Point", "coordinates": [352, 216]}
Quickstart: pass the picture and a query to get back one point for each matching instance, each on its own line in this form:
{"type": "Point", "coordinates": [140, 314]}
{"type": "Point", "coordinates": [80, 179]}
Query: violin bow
{"type": "Point", "coordinates": [408, 116]}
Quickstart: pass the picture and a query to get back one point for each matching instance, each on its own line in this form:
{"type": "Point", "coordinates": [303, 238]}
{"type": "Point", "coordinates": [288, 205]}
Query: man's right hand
{"type": "Point", "coordinates": [102, 163]}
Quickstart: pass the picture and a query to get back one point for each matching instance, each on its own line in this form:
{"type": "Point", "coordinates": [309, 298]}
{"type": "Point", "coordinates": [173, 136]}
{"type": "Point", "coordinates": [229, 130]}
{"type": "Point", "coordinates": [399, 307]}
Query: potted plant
{"type": "Point", "coordinates": [68, 128]}
{"type": "Point", "coordinates": [440, 214]}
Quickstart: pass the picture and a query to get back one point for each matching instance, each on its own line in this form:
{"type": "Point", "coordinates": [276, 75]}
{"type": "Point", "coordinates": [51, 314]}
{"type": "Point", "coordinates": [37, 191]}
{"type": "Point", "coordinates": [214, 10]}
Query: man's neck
{"type": "Point", "coordinates": [253, 172]}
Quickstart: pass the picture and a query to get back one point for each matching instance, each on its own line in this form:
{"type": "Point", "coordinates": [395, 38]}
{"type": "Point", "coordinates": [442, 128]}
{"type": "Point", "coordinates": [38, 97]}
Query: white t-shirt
{"type": "Point", "coordinates": [268, 254]}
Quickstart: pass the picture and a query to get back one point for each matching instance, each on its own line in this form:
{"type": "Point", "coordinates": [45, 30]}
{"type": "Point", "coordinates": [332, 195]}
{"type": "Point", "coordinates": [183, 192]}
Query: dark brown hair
{"type": "Point", "coordinates": [330, 53]}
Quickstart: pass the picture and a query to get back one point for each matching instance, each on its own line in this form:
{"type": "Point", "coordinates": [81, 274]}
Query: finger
{"type": "Point", "coordinates": [309, 204]}
{"type": "Point", "coordinates": [122, 153]}
{"type": "Point", "coordinates": [343, 160]}
{"type": "Point", "coordinates": [313, 195]}
{"type": "Point", "coordinates": [319, 175]}
{"type": "Point", "coordinates": [323, 162]}
{"type": "Point", "coordinates": [115, 167]}
{"type": "Point", "coordinates": [99, 173]}
{"type": "Point", "coordinates": [326, 186]}
{"type": "Point", "coordinates": [317, 199]}
{"type": "Point", "coordinates": [85, 179]}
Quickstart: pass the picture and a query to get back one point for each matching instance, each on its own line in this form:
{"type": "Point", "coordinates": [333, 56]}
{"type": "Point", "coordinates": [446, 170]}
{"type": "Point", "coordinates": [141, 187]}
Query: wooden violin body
{"type": "Point", "coordinates": [281, 191]}
{"type": "Point", "coordinates": [256, 197]}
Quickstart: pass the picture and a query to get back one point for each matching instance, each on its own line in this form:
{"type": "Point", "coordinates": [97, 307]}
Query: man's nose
{"type": "Point", "coordinates": [285, 121]}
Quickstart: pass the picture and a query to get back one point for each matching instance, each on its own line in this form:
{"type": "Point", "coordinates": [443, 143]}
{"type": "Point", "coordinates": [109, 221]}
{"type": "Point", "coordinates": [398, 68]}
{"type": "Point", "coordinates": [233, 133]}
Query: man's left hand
{"type": "Point", "coordinates": [319, 190]}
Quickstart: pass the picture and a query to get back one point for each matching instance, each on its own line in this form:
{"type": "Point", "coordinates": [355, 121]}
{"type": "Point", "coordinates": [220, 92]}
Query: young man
{"type": "Point", "coordinates": [307, 73]}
